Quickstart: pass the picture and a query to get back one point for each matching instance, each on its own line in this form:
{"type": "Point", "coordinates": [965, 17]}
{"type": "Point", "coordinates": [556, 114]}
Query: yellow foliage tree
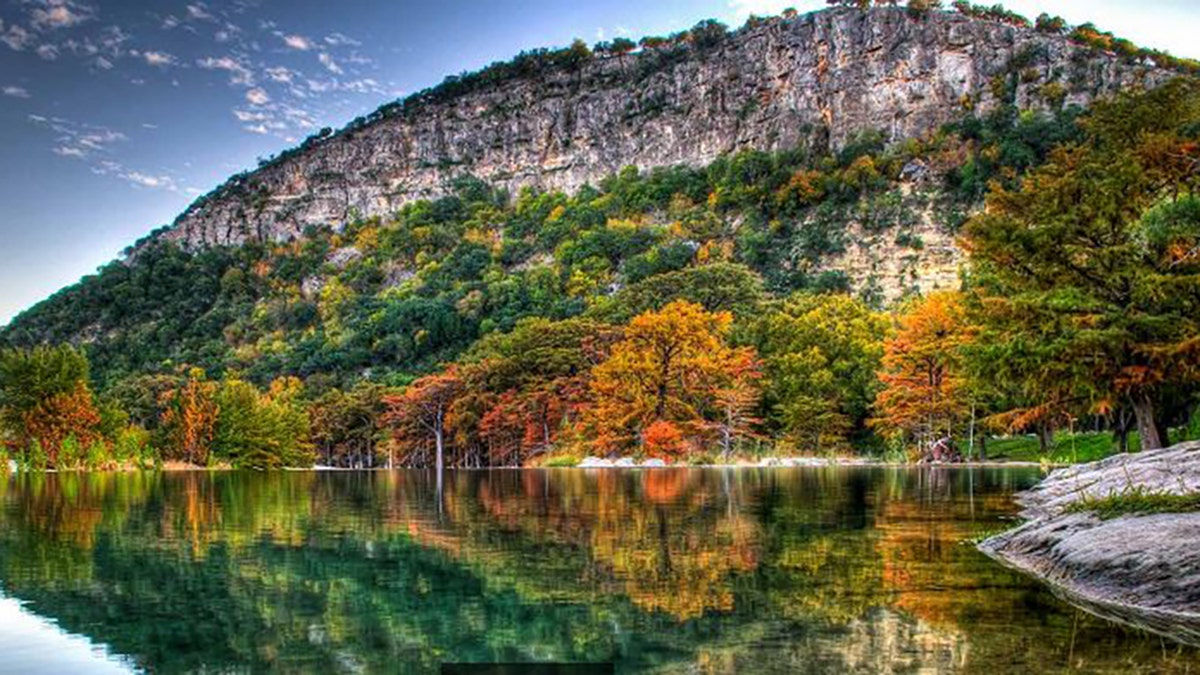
{"type": "Point", "coordinates": [924, 391]}
{"type": "Point", "coordinates": [673, 365]}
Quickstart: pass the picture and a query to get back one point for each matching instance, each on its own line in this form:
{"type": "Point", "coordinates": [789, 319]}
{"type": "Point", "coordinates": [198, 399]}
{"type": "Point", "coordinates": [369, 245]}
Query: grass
{"type": "Point", "coordinates": [1067, 449]}
{"type": "Point", "coordinates": [561, 461]}
{"type": "Point", "coordinates": [1071, 448]}
{"type": "Point", "coordinates": [1136, 501]}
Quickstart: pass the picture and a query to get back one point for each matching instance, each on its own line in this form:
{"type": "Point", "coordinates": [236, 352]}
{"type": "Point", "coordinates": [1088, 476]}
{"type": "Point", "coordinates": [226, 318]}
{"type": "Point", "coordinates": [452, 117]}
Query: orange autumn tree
{"type": "Point", "coordinates": [925, 392]}
{"type": "Point", "coordinates": [673, 370]}
{"type": "Point", "coordinates": [420, 414]}
{"type": "Point", "coordinates": [188, 423]}
{"type": "Point", "coordinates": [62, 422]}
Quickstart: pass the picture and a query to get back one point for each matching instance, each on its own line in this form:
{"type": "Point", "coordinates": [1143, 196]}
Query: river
{"type": "Point", "coordinates": [820, 570]}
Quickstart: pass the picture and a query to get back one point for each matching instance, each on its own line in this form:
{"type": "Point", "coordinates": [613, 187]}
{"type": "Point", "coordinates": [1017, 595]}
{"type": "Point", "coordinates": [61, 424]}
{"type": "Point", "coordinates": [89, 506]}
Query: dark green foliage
{"type": "Point", "coordinates": [718, 287]}
{"type": "Point", "coordinates": [1007, 143]}
{"type": "Point", "coordinates": [164, 304]}
{"type": "Point", "coordinates": [28, 377]}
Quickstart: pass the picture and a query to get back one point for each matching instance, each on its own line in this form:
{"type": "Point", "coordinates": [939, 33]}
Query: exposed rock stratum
{"type": "Point", "coordinates": [813, 80]}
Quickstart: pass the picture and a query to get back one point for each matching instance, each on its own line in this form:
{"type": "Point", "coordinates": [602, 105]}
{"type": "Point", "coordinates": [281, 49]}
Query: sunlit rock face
{"type": "Point", "coordinates": [813, 80]}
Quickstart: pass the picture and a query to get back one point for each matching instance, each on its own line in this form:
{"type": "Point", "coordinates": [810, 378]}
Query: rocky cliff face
{"type": "Point", "coordinates": [815, 79]}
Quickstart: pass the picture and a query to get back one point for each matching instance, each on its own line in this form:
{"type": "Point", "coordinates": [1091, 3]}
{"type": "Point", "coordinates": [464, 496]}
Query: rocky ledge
{"type": "Point", "coordinates": [1141, 570]}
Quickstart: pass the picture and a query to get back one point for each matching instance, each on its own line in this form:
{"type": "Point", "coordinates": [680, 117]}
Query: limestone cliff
{"type": "Point", "coordinates": [815, 79]}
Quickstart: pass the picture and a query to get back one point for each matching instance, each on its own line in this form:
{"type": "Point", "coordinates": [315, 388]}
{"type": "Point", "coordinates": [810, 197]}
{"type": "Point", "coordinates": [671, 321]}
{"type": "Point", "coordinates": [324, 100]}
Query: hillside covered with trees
{"type": "Point", "coordinates": [685, 313]}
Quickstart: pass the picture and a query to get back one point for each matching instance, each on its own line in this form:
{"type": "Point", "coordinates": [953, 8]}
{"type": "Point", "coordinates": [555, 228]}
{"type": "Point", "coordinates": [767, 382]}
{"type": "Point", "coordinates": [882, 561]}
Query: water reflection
{"type": "Point", "coordinates": [711, 571]}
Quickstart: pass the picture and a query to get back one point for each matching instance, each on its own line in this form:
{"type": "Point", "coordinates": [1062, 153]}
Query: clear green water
{"type": "Point", "coordinates": [690, 570]}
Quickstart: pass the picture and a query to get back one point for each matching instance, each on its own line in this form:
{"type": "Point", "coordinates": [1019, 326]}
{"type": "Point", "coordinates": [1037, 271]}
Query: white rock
{"type": "Point", "coordinates": [595, 463]}
{"type": "Point", "coordinates": [654, 463]}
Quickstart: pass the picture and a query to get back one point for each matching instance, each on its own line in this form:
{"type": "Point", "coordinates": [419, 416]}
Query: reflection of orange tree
{"type": "Point", "coordinates": [677, 551]}
{"type": "Point", "coordinates": [666, 563]}
{"type": "Point", "coordinates": [924, 567]}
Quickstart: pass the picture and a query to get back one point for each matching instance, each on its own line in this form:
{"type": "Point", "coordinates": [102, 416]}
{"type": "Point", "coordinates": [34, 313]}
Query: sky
{"type": "Point", "coordinates": [116, 114]}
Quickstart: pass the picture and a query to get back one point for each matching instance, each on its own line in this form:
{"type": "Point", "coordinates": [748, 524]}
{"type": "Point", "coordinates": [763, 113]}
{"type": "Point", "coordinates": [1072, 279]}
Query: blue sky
{"type": "Point", "coordinates": [114, 115]}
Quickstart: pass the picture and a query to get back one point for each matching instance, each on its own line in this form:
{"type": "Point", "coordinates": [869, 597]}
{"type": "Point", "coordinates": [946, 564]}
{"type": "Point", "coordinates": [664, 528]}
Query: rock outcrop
{"type": "Point", "coordinates": [1140, 570]}
{"type": "Point", "coordinates": [812, 80]}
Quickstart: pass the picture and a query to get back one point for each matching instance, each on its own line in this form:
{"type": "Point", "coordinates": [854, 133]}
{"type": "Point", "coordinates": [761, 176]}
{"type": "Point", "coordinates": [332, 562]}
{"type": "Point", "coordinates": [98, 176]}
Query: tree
{"type": "Point", "coordinates": [1046, 23]}
{"type": "Point", "coordinates": [716, 287]}
{"type": "Point", "coordinates": [924, 395]}
{"type": "Point", "coordinates": [919, 8]}
{"type": "Point", "coordinates": [736, 399]}
{"type": "Point", "coordinates": [1087, 274]}
{"type": "Point", "coordinates": [821, 354]}
{"type": "Point", "coordinates": [670, 367]}
{"type": "Point", "coordinates": [858, 4]}
{"type": "Point", "coordinates": [45, 402]}
{"type": "Point", "coordinates": [526, 385]}
{"type": "Point", "coordinates": [189, 418]}
{"type": "Point", "coordinates": [345, 425]}
{"type": "Point", "coordinates": [421, 411]}
{"type": "Point", "coordinates": [261, 430]}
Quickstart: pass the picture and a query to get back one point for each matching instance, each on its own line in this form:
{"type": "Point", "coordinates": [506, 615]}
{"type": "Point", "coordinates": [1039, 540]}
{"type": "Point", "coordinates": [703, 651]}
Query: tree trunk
{"type": "Point", "coordinates": [971, 435]}
{"type": "Point", "coordinates": [1143, 408]}
{"type": "Point", "coordinates": [983, 447]}
{"type": "Point", "coordinates": [1045, 438]}
{"type": "Point", "coordinates": [439, 433]}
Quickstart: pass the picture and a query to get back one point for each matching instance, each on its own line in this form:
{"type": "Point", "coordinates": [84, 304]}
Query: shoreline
{"type": "Point", "coordinates": [1141, 570]}
{"type": "Point", "coordinates": [787, 463]}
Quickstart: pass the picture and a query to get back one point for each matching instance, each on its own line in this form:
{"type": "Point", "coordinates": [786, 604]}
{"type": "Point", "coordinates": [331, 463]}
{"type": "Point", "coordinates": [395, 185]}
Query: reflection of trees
{"type": "Point", "coordinates": [665, 538]}
{"type": "Point", "coordinates": [708, 571]}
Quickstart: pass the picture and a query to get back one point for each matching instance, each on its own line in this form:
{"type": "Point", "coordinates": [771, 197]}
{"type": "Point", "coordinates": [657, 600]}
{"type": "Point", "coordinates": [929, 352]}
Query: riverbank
{"type": "Point", "coordinates": [1096, 534]}
{"type": "Point", "coordinates": [775, 462]}
{"type": "Point", "coordinates": [586, 463]}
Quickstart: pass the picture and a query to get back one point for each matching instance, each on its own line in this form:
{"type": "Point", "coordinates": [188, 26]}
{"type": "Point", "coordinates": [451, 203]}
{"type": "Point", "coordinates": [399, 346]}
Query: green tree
{"type": "Point", "coordinates": [820, 355]}
{"type": "Point", "coordinates": [262, 430]}
{"type": "Point", "coordinates": [1086, 275]}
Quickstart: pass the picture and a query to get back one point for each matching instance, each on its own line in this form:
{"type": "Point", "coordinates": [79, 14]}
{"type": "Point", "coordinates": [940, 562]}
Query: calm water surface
{"type": "Point", "coordinates": [665, 571]}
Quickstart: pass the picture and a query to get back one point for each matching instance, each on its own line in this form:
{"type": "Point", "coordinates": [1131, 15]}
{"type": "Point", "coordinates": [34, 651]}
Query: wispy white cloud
{"type": "Point", "coordinates": [330, 65]}
{"type": "Point", "coordinates": [280, 74]}
{"type": "Point", "coordinates": [148, 180]}
{"type": "Point", "coordinates": [79, 139]}
{"type": "Point", "coordinates": [16, 92]}
{"type": "Point", "coordinates": [257, 96]}
{"type": "Point", "coordinates": [239, 73]}
{"type": "Point", "coordinates": [340, 40]}
{"type": "Point", "coordinates": [53, 14]}
{"type": "Point", "coordinates": [199, 11]}
{"type": "Point", "coordinates": [16, 37]}
{"type": "Point", "coordinates": [159, 59]}
{"type": "Point", "coordinates": [48, 52]}
{"type": "Point", "coordinates": [297, 42]}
